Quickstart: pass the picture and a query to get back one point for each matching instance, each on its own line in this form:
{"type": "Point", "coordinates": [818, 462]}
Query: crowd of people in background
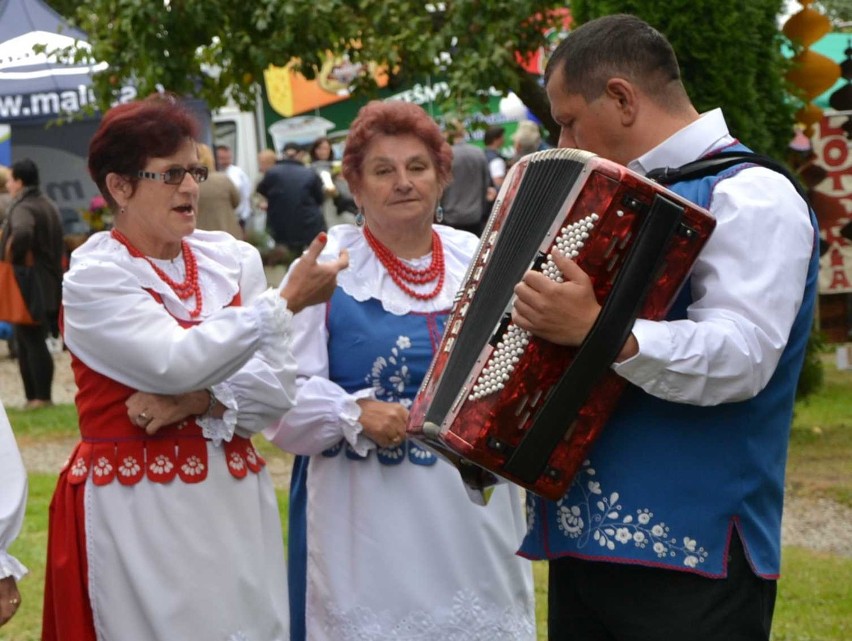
{"type": "Point", "coordinates": [281, 206]}
{"type": "Point", "coordinates": [7, 332]}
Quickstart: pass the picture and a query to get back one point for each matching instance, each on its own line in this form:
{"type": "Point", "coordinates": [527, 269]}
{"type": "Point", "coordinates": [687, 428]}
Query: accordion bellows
{"type": "Point", "coordinates": [500, 401]}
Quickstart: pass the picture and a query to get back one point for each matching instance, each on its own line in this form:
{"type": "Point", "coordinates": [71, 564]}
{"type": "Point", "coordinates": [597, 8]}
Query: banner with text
{"type": "Point", "coordinates": [832, 201]}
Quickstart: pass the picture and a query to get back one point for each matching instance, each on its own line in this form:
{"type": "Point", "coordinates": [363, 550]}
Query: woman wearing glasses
{"type": "Point", "coordinates": [164, 524]}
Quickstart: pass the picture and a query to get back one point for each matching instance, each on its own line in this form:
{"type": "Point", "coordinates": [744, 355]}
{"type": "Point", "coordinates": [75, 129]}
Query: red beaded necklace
{"type": "Point", "coordinates": [188, 288]}
{"type": "Point", "coordinates": [401, 274]}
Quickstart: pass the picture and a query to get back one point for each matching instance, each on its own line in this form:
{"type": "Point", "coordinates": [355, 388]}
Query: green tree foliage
{"type": "Point", "coordinates": [838, 11]}
{"type": "Point", "coordinates": [730, 54]}
{"type": "Point", "coordinates": [214, 49]}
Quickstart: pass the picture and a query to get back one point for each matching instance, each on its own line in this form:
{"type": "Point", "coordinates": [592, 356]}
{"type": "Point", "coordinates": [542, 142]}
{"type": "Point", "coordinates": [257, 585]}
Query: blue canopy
{"type": "Point", "coordinates": [37, 86]}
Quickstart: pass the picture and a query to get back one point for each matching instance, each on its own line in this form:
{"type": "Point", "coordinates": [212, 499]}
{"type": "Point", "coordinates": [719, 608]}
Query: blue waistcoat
{"type": "Point", "coordinates": [665, 482]}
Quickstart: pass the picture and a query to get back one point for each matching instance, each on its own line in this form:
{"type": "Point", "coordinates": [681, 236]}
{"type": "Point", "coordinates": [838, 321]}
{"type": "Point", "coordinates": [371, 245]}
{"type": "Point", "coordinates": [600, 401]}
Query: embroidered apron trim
{"type": "Point", "coordinates": [179, 453]}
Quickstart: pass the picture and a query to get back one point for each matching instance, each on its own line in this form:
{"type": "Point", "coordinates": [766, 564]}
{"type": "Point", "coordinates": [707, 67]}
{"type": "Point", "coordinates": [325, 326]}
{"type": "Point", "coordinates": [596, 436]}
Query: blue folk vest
{"type": "Point", "coordinates": [665, 482]}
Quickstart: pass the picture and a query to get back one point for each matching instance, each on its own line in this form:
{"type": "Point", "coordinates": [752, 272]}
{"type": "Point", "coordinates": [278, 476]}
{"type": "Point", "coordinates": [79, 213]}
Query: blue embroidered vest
{"type": "Point", "coordinates": [369, 347]}
{"type": "Point", "coordinates": [665, 483]}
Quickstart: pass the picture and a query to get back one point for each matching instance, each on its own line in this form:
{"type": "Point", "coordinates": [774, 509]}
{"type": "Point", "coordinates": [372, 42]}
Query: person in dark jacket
{"type": "Point", "coordinates": [466, 198]}
{"type": "Point", "coordinates": [493, 141]}
{"type": "Point", "coordinates": [32, 236]}
{"type": "Point", "coordinates": [294, 194]}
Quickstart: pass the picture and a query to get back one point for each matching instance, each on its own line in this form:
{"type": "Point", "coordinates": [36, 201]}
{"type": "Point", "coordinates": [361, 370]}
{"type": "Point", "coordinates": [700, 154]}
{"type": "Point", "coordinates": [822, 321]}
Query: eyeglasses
{"type": "Point", "coordinates": [175, 175]}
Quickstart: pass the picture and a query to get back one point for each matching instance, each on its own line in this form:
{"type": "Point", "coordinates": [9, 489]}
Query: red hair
{"type": "Point", "coordinates": [394, 118]}
{"type": "Point", "coordinates": [132, 133]}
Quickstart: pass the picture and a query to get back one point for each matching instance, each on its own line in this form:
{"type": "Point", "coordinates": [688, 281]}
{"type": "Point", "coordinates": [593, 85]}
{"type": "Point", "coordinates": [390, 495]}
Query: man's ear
{"type": "Point", "coordinates": [119, 188]}
{"type": "Point", "coordinates": [624, 94]}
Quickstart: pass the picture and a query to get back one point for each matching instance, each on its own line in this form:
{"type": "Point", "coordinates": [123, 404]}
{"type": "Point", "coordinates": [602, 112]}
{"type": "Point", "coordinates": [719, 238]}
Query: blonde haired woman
{"type": "Point", "coordinates": [217, 198]}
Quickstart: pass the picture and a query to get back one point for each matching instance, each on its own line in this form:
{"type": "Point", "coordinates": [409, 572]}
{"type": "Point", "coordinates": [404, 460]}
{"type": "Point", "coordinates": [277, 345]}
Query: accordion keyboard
{"type": "Point", "coordinates": [509, 349]}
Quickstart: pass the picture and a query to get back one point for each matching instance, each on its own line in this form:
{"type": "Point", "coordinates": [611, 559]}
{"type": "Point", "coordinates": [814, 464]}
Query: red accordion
{"type": "Point", "coordinates": [499, 401]}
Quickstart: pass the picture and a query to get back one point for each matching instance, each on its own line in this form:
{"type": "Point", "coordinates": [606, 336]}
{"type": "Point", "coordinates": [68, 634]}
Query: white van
{"type": "Point", "coordinates": [240, 131]}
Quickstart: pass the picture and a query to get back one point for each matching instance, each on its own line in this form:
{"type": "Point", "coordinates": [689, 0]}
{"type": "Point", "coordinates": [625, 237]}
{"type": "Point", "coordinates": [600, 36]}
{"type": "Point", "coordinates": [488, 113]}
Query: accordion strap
{"type": "Point", "coordinates": [529, 459]}
{"type": "Point", "coordinates": [712, 165]}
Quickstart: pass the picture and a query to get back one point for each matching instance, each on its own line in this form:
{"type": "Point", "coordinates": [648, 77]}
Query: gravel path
{"type": "Point", "coordinates": [818, 524]}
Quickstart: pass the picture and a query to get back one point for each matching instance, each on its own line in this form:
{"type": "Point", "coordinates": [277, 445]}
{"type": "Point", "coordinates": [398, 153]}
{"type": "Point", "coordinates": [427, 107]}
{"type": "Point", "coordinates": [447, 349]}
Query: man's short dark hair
{"type": "Point", "coordinates": [618, 45]}
{"type": "Point", "coordinates": [292, 147]}
{"type": "Point", "coordinates": [493, 133]}
{"type": "Point", "coordinates": [26, 171]}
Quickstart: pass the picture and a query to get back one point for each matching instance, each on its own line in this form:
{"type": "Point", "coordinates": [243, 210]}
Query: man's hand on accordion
{"type": "Point", "coordinates": [562, 313]}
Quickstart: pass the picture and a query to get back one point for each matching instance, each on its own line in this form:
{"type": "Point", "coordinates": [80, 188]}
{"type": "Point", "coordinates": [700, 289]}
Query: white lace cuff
{"type": "Point", "coordinates": [221, 429]}
{"type": "Point", "coordinates": [353, 431]}
{"type": "Point", "coordinates": [10, 566]}
{"type": "Point", "coordinates": [274, 318]}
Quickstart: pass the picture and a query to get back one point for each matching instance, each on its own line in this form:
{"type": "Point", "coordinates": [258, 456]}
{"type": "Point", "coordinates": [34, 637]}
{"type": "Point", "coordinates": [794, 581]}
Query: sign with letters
{"type": "Point", "coordinates": [832, 201]}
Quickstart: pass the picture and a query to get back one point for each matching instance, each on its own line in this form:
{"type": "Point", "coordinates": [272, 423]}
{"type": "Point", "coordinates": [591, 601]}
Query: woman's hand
{"type": "Point", "coordinates": [10, 599]}
{"type": "Point", "coordinates": [153, 411]}
{"type": "Point", "coordinates": [310, 282]}
{"type": "Point", "coordinates": [383, 422]}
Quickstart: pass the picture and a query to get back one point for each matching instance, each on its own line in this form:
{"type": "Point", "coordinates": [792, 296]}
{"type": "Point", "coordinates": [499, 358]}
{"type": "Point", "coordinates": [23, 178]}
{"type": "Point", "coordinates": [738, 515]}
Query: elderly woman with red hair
{"type": "Point", "coordinates": [164, 524]}
{"type": "Point", "coordinates": [384, 542]}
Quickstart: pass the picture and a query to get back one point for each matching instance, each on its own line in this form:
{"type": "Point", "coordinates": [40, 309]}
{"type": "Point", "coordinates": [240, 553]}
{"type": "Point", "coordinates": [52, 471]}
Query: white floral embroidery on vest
{"type": "Point", "coordinates": [161, 464]}
{"type": "Point", "coordinates": [390, 376]}
{"type": "Point", "coordinates": [601, 518]}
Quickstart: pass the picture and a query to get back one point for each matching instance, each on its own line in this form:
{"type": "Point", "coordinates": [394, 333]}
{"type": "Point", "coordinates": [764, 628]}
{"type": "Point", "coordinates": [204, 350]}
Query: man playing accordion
{"type": "Point", "coordinates": [672, 527]}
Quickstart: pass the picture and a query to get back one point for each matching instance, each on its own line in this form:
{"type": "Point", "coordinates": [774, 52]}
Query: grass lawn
{"type": "Point", "coordinates": [820, 461]}
{"type": "Point", "coordinates": [815, 591]}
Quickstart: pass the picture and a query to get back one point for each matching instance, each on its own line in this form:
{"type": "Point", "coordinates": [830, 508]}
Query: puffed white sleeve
{"type": "Point", "coordinates": [13, 498]}
{"type": "Point", "coordinates": [117, 328]}
{"type": "Point", "coordinates": [324, 413]}
{"type": "Point", "coordinates": [265, 387]}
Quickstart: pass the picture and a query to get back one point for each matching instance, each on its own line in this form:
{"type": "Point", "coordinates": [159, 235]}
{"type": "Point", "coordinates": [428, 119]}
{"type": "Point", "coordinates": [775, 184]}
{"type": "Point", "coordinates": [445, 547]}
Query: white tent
{"type": "Point", "coordinates": [36, 90]}
{"type": "Point", "coordinates": [37, 86]}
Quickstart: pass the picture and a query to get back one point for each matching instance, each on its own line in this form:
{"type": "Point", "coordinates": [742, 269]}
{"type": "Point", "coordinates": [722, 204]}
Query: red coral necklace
{"type": "Point", "coordinates": [188, 288]}
{"type": "Point", "coordinates": [403, 274]}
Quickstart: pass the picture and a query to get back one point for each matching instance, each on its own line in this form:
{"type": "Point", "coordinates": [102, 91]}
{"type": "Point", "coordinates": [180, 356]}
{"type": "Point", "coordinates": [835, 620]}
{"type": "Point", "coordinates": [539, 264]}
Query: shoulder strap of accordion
{"type": "Point", "coordinates": [717, 163]}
